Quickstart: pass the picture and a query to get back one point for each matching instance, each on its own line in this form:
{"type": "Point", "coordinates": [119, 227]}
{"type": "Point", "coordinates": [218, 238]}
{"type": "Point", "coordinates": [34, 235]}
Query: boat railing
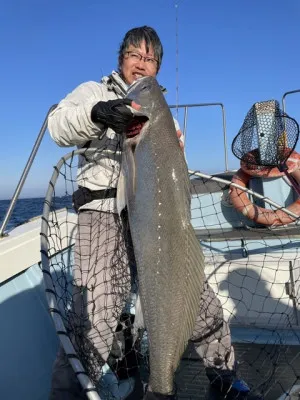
{"type": "Point", "coordinates": [42, 133]}
{"type": "Point", "coordinates": [285, 95]}
{"type": "Point", "coordinates": [25, 172]}
{"type": "Point", "coordinates": [184, 131]}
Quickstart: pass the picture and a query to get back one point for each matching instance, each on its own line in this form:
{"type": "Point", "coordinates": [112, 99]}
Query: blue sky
{"type": "Point", "coordinates": [234, 52]}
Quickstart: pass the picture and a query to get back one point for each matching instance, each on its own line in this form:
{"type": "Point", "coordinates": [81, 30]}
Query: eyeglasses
{"type": "Point", "coordinates": [134, 56]}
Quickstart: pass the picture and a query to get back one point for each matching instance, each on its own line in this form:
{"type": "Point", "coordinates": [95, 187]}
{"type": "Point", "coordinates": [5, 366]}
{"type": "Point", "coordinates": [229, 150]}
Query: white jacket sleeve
{"type": "Point", "coordinates": [70, 123]}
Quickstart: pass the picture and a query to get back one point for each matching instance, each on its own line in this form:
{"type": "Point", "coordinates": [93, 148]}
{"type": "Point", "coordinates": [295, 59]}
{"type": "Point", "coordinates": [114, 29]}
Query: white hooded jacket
{"type": "Point", "coordinates": [70, 124]}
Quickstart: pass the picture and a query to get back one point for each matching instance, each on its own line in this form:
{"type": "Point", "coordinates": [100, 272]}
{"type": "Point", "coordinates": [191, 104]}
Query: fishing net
{"type": "Point", "coordinates": [267, 137]}
{"type": "Point", "coordinates": [254, 270]}
{"type": "Point", "coordinates": [91, 286]}
{"type": "Point", "coordinates": [89, 270]}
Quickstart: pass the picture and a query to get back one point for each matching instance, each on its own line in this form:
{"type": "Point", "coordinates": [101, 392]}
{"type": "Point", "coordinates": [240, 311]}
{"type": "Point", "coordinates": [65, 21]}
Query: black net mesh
{"type": "Point", "coordinates": [251, 302]}
{"type": "Point", "coordinates": [267, 137]}
{"type": "Point", "coordinates": [92, 265]}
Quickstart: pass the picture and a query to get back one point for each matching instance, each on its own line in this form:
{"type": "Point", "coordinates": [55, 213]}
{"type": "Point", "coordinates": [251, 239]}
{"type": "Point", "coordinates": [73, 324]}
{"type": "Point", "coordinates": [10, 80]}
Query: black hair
{"type": "Point", "coordinates": [135, 36]}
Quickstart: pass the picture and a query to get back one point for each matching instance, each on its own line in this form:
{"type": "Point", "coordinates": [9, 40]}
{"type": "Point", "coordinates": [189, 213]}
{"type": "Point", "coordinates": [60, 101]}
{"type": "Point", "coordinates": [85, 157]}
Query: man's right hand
{"type": "Point", "coordinates": [114, 114]}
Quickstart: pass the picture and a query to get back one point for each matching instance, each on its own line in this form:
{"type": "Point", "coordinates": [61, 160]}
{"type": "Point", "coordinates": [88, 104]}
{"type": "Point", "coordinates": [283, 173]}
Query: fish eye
{"type": "Point", "coordinates": [144, 88]}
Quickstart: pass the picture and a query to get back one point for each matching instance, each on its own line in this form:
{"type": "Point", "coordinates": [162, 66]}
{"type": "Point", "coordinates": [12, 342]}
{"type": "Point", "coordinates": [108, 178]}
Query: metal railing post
{"type": "Point", "coordinates": [284, 96]}
{"type": "Point", "coordinates": [25, 172]}
{"type": "Point", "coordinates": [186, 106]}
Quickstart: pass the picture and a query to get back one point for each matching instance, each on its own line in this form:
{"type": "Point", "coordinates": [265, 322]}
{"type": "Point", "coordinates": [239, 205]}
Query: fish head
{"type": "Point", "coordinates": [147, 93]}
{"type": "Point", "coordinates": [148, 97]}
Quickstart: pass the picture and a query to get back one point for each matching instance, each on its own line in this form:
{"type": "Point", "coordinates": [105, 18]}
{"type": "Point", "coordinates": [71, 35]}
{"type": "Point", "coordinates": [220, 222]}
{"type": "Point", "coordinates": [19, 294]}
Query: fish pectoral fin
{"type": "Point", "coordinates": [121, 193]}
{"type": "Point", "coordinates": [126, 181]}
{"type": "Point", "coordinates": [139, 317]}
{"type": "Point", "coordinates": [128, 166]}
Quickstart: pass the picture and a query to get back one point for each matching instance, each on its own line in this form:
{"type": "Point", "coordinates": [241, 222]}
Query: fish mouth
{"type": "Point", "coordinates": [137, 75]}
{"type": "Point", "coordinates": [137, 81]}
{"type": "Point", "coordinates": [136, 126]}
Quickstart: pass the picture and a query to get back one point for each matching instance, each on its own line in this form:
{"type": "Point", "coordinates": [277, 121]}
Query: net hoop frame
{"type": "Point", "coordinates": [86, 383]}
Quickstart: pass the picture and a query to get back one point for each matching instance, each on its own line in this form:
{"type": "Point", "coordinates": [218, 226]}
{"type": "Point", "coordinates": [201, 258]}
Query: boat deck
{"type": "Point", "coordinates": [273, 369]}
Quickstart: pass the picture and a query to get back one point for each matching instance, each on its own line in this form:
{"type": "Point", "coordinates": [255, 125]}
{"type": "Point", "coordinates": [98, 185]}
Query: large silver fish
{"type": "Point", "coordinates": [169, 258]}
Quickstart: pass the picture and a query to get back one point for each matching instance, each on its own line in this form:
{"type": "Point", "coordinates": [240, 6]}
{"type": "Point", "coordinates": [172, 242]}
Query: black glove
{"type": "Point", "coordinates": [113, 114]}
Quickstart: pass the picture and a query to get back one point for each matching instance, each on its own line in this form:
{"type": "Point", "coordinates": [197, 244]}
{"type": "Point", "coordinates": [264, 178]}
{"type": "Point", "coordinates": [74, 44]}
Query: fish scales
{"type": "Point", "coordinates": [169, 258]}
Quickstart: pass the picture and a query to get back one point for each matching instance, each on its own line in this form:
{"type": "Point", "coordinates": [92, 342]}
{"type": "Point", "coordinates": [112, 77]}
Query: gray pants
{"type": "Point", "coordinates": [104, 274]}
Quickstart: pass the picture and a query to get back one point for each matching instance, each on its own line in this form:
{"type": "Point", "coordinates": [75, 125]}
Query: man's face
{"type": "Point", "coordinates": [137, 62]}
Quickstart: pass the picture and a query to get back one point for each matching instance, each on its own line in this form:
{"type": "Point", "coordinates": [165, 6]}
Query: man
{"type": "Point", "coordinates": [96, 115]}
